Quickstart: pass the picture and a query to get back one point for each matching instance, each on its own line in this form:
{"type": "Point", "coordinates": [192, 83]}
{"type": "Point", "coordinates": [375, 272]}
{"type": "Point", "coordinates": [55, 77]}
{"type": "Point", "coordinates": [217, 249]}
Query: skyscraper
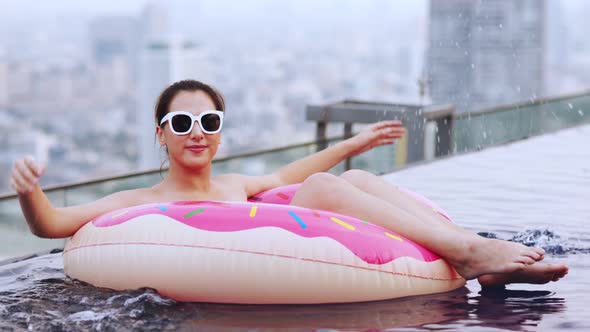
{"type": "Point", "coordinates": [163, 60]}
{"type": "Point", "coordinates": [114, 37]}
{"type": "Point", "coordinates": [486, 52]}
{"type": "Point", "coordinates": [3, 83]}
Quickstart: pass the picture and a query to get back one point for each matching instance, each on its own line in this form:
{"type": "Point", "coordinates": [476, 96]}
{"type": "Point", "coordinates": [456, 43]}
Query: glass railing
{"type": "Point", "coordinates": [476, 130]}
{"type": "Point", "coordinates": [472, 131]}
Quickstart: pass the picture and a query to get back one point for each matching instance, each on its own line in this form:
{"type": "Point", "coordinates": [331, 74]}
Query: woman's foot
{"type": "Point", "coordinates": [537, 273]}
{"type": "Point", "coordinates": [489, 256]}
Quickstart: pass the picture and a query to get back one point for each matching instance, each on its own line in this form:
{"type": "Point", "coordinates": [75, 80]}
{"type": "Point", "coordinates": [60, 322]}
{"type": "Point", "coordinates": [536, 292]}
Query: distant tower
{"type": "Point", "coordinates": [163, 60]}
{"type": "Point", "coordinates": [114, 39]}
{"type": "Point", "coordinates": [486, 52]}
{"type": "Point", "coordinates": [3, 83]}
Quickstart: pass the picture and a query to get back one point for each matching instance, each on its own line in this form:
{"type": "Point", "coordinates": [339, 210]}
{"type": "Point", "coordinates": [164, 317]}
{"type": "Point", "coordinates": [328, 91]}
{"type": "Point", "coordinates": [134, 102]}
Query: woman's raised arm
{"type": "Point", "coordinates": [43, 218]}
{"type": "Point", "coordinates": [380, 133]}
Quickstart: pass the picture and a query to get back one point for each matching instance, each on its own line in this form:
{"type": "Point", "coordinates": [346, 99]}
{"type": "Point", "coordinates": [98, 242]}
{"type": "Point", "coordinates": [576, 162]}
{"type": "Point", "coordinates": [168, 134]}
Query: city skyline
{"type": "Point", "coordinates": [486, 53]}
{"type": "Point", "coordinates": [75, 68]}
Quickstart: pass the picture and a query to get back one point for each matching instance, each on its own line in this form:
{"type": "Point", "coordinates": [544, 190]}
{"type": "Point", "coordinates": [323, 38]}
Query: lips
{"type": "Point", "coordinates": [196, 148]}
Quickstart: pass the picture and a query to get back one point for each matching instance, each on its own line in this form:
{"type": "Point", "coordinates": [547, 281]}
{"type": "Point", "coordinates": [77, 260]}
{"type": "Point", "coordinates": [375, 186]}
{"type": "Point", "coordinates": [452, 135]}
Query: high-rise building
{"type": "Point", "coordinates": [162, 61]}
{"type": "Point", "coordinates": [486, 52]}
{"type": "Point", "coordinates": [3, 83]}
{"type": "Point", "coordinates": [112, 37]}
{"type": "Point", "coordinates": [115, 50]}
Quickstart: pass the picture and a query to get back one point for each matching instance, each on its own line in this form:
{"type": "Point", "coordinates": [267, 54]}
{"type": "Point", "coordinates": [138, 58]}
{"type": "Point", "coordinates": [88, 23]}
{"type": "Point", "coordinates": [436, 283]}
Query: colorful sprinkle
{"type": "Point", "coordinates": [253, 211]}
{"type": "Point", "coordinates": [394, 237]}
{"type": "Point", "coordinates": [301, 223]}
{"type": "Point", "coordinates": [283, 196]}
{"type": "Point", "coordinates": [119, 214]}
{"type": "Point", "coordinates": [342, 223]}
{"type": "Point", "coordinates": [255, 199]}
{"type": "Point", "coordinates": [315, 213]}
{"type": "Point", "coordinates": [192, 213]}
{"type": "Point", "coordinates": [162, 207]}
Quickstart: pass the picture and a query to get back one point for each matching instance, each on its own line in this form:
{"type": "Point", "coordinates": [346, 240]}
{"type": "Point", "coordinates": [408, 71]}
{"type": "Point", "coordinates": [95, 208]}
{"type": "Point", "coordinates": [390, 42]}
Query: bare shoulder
{"type": "Point", "coordinates": [252, 184]}
{"type": "Point", "coordinates": [130, 197]}
{"type": "Point", "coordinates": [233, 178]}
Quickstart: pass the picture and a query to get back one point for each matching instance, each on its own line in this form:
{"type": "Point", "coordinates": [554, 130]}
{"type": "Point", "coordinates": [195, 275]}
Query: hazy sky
{"type": "Point", "coordinates": [9, 8]}
{"type": "Point", "coordinates": [55, 7]}
{"type": "Point", "coordinates": [23, 8]}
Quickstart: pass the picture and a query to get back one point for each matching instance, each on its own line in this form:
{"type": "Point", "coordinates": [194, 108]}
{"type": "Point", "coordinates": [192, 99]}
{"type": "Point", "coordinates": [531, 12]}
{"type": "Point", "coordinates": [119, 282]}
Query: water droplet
{"type": "Point", "coordinates": [570, 106]}
{"type": "Point", "coordinates": [580, 112]}
{"type": "Point", "coordinates": [484, 134]}
{"type": "Point", "coordinates": [500, 26]}
{"type": "Point", "coordinates": [473, 66]}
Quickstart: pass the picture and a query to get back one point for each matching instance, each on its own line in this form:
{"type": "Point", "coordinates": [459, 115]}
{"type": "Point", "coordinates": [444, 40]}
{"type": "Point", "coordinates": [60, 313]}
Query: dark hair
{"type": "Point", "coordinates": [170, 92]}
{"type": "Point", "coordinates": [165, 98]}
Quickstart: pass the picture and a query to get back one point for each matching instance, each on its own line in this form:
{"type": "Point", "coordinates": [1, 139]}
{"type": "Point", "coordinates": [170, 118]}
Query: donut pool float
{"type": "Point", "coordinates": [259, 252]}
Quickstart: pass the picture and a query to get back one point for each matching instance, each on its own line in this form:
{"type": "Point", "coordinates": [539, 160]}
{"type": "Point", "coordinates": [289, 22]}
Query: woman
{"type": "Point", "coordinates": [191, 148]}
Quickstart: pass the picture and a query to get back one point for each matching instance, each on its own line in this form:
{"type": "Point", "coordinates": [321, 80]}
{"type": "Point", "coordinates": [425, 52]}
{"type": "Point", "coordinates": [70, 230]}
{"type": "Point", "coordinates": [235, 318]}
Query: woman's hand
{"type": "Point", "coordinates": [377, 134]}
{"type": "Point", "coordinates": [25, 175]}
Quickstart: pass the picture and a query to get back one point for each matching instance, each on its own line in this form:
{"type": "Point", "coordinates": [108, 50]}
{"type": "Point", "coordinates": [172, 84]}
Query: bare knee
{"type": "Point", "coordinates": [357, 177]}
{"type": "Point", "coordinates": [317, 191]}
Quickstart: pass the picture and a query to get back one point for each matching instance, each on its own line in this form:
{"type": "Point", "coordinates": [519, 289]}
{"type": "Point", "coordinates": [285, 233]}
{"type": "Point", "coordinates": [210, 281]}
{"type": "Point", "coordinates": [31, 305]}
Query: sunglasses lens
{"type": "Point", "coordinates": [211, 122]}
{"type": "Point", "coordinates": [181, 123]}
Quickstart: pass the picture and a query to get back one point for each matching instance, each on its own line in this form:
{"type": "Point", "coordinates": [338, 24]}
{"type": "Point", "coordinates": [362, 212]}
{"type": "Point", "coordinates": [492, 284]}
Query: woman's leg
{"type": "Point", "coordinates": [376, 186]}
{"type": "Point", "coordinates": [469, 253]}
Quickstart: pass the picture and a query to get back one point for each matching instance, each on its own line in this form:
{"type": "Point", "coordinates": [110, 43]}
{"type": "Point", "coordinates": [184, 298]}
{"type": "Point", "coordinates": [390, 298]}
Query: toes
{"type": "Point", "coordinates": [516, 266]}
{"type": "Point", "coordinates": [540, 252]}
{"type": "Point", "coordinates": [536, 254]}
{"type": "Point", "coordinates": [526, 260]}
{"type": "Point", "coordinates": [561, 274]}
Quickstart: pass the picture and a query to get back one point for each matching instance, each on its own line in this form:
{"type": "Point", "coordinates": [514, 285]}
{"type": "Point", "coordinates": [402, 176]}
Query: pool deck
{"type": "Point", "coordinates": [542, 181]}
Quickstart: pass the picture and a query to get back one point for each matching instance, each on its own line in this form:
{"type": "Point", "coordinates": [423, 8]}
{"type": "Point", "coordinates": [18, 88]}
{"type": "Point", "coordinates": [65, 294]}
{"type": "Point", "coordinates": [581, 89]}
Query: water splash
{"type": "Point", "coordinates": [544, 238]}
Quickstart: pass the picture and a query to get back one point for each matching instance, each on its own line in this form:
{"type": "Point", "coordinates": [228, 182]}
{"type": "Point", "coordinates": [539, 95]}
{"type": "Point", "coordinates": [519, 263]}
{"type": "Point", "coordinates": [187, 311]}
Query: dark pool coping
{"type": "Point", "coordinates": [29, 256]}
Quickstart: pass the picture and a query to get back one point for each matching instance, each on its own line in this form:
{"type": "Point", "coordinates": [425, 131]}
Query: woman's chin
{"type": "Point", "coordinates": [197, 162]}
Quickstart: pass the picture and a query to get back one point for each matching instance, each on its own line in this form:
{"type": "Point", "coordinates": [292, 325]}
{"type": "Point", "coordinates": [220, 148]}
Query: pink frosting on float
{"type": "Point", "coordinates": [371, 243]}
{"type": "Point", "coordinates": [284, 195]}
{"type": "Point", "coordinates": [281, 195]}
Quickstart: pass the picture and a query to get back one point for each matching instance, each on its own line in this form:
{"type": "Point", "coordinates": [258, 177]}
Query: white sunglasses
{"type": "Point", "coordinates": [181, 122]}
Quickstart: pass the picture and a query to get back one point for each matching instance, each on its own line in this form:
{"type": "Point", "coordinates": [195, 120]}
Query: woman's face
{"type": "Point", "coordinates": [196, 149]}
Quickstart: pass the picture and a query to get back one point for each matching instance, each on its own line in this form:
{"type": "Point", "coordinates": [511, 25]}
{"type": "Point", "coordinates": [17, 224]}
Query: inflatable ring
{"type": "Point", "coordinates": [254, 252]}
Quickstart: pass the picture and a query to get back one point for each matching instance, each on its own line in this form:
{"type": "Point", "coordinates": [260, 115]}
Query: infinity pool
{"type": "Point", "coordinates": [535, 191]}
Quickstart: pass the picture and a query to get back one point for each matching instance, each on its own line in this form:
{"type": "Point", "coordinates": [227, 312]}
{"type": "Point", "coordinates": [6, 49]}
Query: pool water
{"type": "Point", "coordinates": [535, 192]}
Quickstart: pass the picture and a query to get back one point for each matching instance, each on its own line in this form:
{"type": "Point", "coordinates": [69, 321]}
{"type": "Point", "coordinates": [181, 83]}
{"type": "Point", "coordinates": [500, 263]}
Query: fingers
{"type": "Point", "coordinates": [391, 133]}
{"type": "Point", "coordinates": [21, 184]}
{"type": "Point", "coordinates": [33, 167]}
{"type": "Point", "coordinates": [392, 129]}
{"type": "Point", "coordinates": [25, 175]}
{"type": "Point", "coordinates": [385, 141]}
{"type": "Point", "coordinates": [388, 123]}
